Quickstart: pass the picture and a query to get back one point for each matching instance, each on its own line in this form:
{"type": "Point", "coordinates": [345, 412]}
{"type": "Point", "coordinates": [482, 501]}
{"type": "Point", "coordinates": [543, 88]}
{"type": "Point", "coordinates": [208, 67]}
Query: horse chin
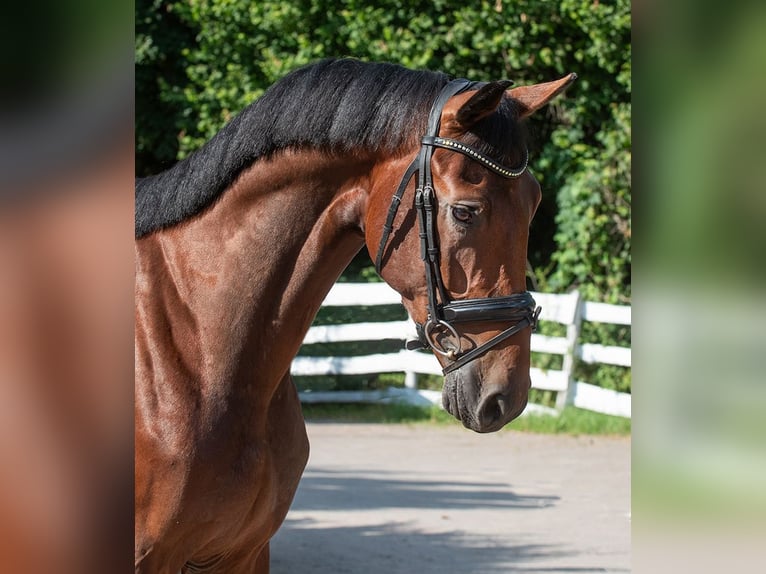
{"type": "Point", "coordinates": [480, 406]}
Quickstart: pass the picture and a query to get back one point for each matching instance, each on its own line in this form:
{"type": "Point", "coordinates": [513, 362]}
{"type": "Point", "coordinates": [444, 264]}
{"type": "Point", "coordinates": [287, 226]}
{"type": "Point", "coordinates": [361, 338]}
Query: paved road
{"type": "Point", "coordinates": [398, 499]}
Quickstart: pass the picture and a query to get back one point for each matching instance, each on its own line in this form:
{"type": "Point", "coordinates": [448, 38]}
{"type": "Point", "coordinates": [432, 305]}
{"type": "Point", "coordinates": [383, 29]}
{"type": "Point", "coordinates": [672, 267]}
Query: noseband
{"type": "Point", "coordinates": [518, 309]}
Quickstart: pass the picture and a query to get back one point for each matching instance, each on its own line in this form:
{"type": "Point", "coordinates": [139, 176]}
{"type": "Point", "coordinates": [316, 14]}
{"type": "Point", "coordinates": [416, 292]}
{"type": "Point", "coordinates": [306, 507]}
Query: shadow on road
{"type": "Point", "coordinates": [332, 490]}
{"type": "Point", "coordinates": [372, 523]}
{"type": "Point", "coordinates": [395, 548]}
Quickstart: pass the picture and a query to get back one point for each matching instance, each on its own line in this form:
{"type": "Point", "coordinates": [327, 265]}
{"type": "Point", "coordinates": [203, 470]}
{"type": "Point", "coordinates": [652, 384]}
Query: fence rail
{"type": "Point", "coordinates": [565, 309]}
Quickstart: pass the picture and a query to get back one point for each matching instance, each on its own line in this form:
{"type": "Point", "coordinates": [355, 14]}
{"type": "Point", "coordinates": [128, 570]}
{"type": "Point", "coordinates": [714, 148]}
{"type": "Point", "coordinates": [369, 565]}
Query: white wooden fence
{"type": "Point", "coordinates": [566, 309]}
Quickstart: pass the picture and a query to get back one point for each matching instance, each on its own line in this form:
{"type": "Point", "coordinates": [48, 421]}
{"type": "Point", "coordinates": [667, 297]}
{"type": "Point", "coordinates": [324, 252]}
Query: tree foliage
{"type": "Point", "coordinates": [199, 62]}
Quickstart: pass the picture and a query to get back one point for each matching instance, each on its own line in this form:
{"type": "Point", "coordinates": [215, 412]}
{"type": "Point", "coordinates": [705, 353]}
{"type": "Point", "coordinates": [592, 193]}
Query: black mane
{"type": "Point", "coordinates": [334, 105]}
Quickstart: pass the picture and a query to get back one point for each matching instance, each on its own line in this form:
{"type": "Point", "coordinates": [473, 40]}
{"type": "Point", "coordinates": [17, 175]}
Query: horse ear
{"type": "Point", "coordinates": [532, 98]}
{"type": "Point", "coordinates": [482, 103]}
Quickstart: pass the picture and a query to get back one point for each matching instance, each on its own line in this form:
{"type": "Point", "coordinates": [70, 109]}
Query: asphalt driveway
{"type": "Point", "coordinates": [390, 499]}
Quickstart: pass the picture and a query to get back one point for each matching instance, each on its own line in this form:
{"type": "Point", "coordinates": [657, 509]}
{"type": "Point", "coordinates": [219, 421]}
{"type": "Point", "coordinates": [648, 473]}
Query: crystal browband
{"type": "Point", "coordinates": [457, 146]}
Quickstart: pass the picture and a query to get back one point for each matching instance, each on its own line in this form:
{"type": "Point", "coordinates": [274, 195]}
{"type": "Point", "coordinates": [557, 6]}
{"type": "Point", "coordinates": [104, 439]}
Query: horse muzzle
{"type": "Point", "coordinates": [480, 405]}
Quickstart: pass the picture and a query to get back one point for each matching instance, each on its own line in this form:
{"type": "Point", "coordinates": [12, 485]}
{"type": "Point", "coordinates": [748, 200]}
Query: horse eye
{"type": "Point", "coordinates": [462, 214]}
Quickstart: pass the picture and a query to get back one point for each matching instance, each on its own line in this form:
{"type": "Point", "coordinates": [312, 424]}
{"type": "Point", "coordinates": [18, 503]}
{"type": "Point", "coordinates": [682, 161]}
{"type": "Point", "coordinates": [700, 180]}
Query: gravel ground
{"type": "Point", "coordinates": [425, 499]}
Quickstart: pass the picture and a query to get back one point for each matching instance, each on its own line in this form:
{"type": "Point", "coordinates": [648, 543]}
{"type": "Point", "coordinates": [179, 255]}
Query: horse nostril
{"type": "Point", "coordinates": [493, 409]}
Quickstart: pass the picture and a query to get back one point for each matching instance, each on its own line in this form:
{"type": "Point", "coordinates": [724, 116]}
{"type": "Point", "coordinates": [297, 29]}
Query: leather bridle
{"type": "Point", "coordinates": [519, 309]}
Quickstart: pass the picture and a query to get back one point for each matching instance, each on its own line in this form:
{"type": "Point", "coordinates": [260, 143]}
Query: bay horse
{"type": "Point", "coordinates": [238, 244]}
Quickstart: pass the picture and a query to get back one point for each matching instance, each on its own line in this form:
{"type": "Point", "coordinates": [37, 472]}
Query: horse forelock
{"type": "Point", "coordinates": [501, 135]}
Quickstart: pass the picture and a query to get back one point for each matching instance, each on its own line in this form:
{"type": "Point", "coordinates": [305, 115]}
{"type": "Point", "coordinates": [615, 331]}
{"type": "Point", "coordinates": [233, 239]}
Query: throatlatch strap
{"type": "Point", "coordinates": [392, 209]}
{"type": "Point", "coordinates": [420, 164]}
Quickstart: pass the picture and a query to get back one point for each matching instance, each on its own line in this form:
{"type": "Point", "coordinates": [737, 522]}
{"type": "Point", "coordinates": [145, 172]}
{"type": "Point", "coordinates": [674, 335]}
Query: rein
{"type": "Point", "coordinates": [519, 309]}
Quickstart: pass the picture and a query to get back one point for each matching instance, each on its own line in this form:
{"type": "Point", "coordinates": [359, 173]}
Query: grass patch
{"type": "Point", "coordinates": [362, 413]}
{"type": "Point", "coordinates": [572, 421]}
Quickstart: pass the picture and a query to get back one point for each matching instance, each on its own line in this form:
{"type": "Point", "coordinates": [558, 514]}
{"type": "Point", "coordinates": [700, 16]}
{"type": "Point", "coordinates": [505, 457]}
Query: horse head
{"type": "Point", "coordinates": [457, 252]}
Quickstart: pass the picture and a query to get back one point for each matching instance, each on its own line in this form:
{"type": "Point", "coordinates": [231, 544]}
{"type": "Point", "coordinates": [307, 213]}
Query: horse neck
{"type": "Point", "coordinates": [250, 273]}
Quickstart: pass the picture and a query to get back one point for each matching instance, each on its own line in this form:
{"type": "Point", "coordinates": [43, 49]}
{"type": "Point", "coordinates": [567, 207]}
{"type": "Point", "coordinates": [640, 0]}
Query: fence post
{"type": "Point", "coordinates": [411, 380]}
{"type": "Point", "coordinates": [564, 398]}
